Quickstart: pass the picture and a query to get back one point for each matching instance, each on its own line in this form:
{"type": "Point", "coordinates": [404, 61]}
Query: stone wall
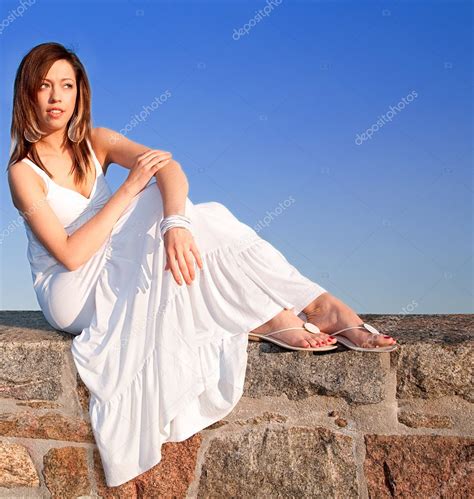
{"type": "Point", "coordinates": [338, 424]}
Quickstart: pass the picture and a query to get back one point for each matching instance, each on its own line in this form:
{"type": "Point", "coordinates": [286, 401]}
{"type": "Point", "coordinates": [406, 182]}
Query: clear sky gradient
{"type": "Point", "coordinates": [340, 131]}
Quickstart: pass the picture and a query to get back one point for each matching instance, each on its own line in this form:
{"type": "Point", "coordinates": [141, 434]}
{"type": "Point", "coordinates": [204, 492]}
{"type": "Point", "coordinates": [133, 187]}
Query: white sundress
{"type": "Point", "coordinates": [161, 361]}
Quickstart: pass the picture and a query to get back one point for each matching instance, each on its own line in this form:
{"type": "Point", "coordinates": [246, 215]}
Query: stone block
{"type": "Point", "coordinates": [419, 466]}
{"type": "Point", "coordinates": [278, 461]}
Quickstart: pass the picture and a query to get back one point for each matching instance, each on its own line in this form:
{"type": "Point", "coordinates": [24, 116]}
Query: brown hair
{"type": "Point", "coordinates": [32, 70]}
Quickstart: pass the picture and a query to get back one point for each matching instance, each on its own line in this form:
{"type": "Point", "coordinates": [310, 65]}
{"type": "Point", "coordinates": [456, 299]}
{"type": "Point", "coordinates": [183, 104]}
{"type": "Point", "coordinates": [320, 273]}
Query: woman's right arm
{"type": "Point", "coordinates": [28, 196]}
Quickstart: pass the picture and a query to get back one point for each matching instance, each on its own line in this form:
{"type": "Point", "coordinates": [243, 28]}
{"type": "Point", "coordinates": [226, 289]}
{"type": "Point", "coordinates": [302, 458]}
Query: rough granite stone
{"type": "Point", "coordinates": [39, 404]}
{"type": "Point", "coordinates": [277, 461]}
{"type": "Point", "coordinates": [171, 477]}
{"type": "Point", "coordinates": [341, 422]}
{"type": "Point", "coordinates": [16, 467]}
{"type": "Point", "coordinates": [65, 472]}
{"type": "Point", "coordinates": [419, 466]}
{"type": "Point", "coordinates": [83, 394]}
{"type": "Point", "coordinates": [357, 377]}
{"type": "Point", "coordinates": [266, 417]}
{"type": "Point", "coordinates": [51, 425]}
{"type": "Point", "coordinates": [32, 356]}
{"type": "Point", "coordinates": [269, 454]}
{"type": "Point", "coordinates": [436, 357]}
{"type": "Point", "coordinates": [128, 490]}
{"type": "Point", "coordinates": [420, 420]}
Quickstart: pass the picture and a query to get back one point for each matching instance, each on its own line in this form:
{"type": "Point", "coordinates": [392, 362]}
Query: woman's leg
{"type": "Point", "coordinates": [295, 337]}
{"type": "Point", "coordinates": [331, 314]}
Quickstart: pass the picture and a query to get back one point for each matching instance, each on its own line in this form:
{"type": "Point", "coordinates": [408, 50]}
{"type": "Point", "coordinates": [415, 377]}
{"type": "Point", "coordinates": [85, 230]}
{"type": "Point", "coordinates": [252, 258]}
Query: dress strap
{"type": "Point", "coordinates": [98, 166]}
{"type": "Point", "coordinates": [40, 172]}
{"type": "Point", "coordinates": [45, 176]}
{"type": "Point", "coordinates": [36, 168]}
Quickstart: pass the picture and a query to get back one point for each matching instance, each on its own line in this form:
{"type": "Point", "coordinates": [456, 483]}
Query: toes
{"type": "Point", "coordinates": [384, 341]}
{"type": "Point", "coordinates": [388, 340]}
{"type": "Point", "coordinates": [316, 342]}
{"type": "Point", "coordinates": [322, 339]}
{"type": "Point", "coordinates": [305, 344]}
{"type": "Point", "coordinates": [329, 340]}
{"type": "Point", "coordinates": [310, 342]}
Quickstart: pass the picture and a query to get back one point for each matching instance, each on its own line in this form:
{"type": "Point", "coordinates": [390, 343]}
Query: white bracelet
{"type": "Point", "coordinates": [174, 221]}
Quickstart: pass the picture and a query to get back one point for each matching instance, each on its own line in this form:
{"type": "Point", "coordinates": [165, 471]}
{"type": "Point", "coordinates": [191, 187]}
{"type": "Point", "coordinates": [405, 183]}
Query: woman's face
{"type": "Point", "coordinates": [57, 90]}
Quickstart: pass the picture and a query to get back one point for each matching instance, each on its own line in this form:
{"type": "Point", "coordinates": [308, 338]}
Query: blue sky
{"type": "Point", "coordinates": [266, 115]}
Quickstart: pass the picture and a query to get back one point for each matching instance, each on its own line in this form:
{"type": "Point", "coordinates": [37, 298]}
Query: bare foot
{"type": "Point", "coordinates": [331, 314]}
{"type": "Point", "coordinates": [294, 337]}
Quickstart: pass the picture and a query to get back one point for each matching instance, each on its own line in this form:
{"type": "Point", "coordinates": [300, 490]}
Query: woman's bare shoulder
{"type": "Point", "coordinates": [100, 140]}
{"type": "Point", "coordinates": [23, 180]}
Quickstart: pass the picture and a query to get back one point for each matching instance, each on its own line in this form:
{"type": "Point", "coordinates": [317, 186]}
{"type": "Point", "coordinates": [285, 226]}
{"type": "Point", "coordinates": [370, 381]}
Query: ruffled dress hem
{"type": "Point", "coordinates": [131, 425]}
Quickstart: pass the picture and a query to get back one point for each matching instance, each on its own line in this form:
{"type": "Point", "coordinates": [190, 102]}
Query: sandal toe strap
{"type": "Point", "coordinates": [364, 325]}
{"type": "Point", "coordinates": [370, 342]}
{"type": "Point", "coordinates": [308, 326]}
{"type": "Point", "coordinates": [371, 329]}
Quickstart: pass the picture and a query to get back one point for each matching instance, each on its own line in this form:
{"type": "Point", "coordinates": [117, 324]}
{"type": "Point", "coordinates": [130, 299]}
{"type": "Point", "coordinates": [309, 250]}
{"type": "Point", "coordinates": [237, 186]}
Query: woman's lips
{"type": "Point", "coordinates": [55, 114]}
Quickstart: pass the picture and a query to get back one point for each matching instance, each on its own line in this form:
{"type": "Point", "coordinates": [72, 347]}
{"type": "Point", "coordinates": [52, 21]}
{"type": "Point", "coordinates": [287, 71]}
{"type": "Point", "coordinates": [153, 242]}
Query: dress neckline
{"type": "Point", "coordinates": [94, 187]}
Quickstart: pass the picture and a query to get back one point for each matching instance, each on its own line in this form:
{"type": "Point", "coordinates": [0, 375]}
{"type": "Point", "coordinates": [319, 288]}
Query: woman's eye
{"type": "Point", "coordinates": [66, 84]}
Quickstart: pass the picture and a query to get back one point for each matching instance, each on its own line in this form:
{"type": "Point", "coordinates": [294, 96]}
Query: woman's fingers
{"type": "Point", "coordinates": [189, 264]}
{"type": "Point", "coordinates": [174, 267]}
{"type": "Point", "coordinates": [153, 160]}
{"type": "Point", "coordinates": [181, 263]}
{"type": "Point", "coordinates": [151, 152]}
{"type": "Point", "coordinates": [181, 255]}
{"type": "Point", "coordinates": [179, 266]}
{"type": "Point", "coordinates": [157, 157]}
{"type": "Point", "coordinates": [163, 163]}
{"type": "Point", "coordinates": [183, 266]}
{"type": "Point", "coordinates": [197, 255]}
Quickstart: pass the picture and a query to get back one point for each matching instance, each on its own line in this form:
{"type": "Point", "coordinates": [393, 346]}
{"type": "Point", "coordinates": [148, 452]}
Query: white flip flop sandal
{"type": "Point", "coordinates": [349, 344]}
{"type": "Point", "coordinates": [308, 326]}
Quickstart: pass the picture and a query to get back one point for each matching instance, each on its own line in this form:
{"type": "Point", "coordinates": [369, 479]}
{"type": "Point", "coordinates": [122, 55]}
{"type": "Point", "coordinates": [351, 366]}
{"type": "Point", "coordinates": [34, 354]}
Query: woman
{"type": "Point", "coordinates": [161, 360]}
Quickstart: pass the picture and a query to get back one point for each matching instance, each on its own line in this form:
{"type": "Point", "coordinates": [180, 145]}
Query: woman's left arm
{"type": "Point", "coordinates": [179, 242]}
{"type": "Point", "coordinates": [174, 188]}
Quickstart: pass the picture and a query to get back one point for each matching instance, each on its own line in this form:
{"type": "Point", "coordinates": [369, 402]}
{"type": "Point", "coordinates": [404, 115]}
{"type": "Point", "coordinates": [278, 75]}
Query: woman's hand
{"type": "Point", "coordinates": [145, 166]}
{"type": "Point", "coordinates": [180, 250]}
